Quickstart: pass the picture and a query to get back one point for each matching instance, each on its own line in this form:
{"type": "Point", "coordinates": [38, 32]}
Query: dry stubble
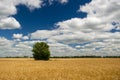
{"type": "Point", "coordinates": [60, 69]}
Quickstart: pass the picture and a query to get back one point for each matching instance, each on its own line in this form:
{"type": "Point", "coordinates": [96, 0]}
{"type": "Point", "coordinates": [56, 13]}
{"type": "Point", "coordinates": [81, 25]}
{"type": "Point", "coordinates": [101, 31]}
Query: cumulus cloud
{"type": "Point", "coordinates": [43, 34]}
{"type": "Point", "coordinates": [98, 22]}
{"type": "Point", "coordinates": [63, 1]}
{"type": "Point", "coordinates": [9, 23]}
{"type": "Point", "coordinates": [25, 37]}
{"type": "Point", "coordinates": [60, 1]}
{"type": "Point", "coordinates": [87, 36]}
{"type": "Point", "coordinates": [96, 26]}
{"type": "Point", "coordinates": [13, 48]}
{"type": "Point", "coordinates": [23, 48]}
{"type": "Point", "coordinates": [8, 8]}
{"type": "Point", "coordinates": [31, 4]}
{"type": "Point", "coordinates": [59, 49]}
{"type": "Point", "coordinates": [19, 37]}
{"type": "Point", "coordinates": [107, 11]}
{"type": "Point", "coordinates": [94, 29]}
{"type": "Point", "coordinates": [104, 48]}
{"type": "Point", "coordinates": [5, 46]}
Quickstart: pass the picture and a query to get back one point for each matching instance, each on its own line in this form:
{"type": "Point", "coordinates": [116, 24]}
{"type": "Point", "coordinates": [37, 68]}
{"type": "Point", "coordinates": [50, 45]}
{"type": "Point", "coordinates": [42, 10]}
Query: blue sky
{"type": "Point", "coordinates": [79, 27]}
{"type": "Point", "coordinates": [44, 18]}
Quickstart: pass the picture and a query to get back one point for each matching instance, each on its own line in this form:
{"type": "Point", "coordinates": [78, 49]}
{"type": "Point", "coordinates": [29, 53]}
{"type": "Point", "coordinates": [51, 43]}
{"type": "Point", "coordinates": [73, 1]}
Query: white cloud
{"type": "Point", "coordinates": [107, 10]}
{"type": "Point", "coordinates": [63, 1]}
{"type": "Point", "coordinates": [60, 1]}
{"type": "Point", "coordinates": [43, 34]}
{"type": "Point", "coordinates": [9, 23]}
{"type": "Point", "coordinates": [58, 49]}
{"type": "Point", "coordinates": [31, 4]}
{"type": "Point", "coordinates": [76, 36]}
{"type": "Point", "coordinates": [78, 46]}
{"type": "Point", "coordinates": [25, 37]}
{"type": "Point", "coordinates": [5, 46]}
{"type": "Point", "coordinates": [13, 48]}
{"type": "Point", "coordinates": [95, 28]}
{"type": "Point", "coordinates": [4, 42]}
{"type": "Point", "coordinates": [88, 24]}
{"type": "Point", "coordinates": [8, 8]}
{"type": "Point", "coordinates": [17, 36]}
{"type": "Point", "coordinates": [98, 22]}
{"type": "Point", "coordinates": [102, 9]}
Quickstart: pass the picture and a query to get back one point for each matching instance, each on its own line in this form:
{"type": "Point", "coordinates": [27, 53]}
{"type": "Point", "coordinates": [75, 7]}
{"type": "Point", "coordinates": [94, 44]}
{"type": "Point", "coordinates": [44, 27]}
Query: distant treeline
{"type": "Point", "coordinates": [66, 57]}
{"type": "Point", "coordinates": [16, 57]}
{"type": "Point", "coordinates": [86, 57]}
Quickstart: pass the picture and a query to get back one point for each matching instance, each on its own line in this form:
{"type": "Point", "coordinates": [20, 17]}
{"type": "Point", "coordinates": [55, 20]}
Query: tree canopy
{"type": "Point", "coordinates": [41, 51]}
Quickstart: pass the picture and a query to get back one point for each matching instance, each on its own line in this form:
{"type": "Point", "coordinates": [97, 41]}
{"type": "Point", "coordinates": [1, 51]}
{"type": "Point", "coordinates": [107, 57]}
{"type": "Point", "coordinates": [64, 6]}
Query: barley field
{"type": "Point", "coordinates": [60, 69]}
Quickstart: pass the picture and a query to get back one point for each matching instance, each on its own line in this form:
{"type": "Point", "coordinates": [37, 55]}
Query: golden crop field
{"type": "Point", "coordinates": [60, 69]}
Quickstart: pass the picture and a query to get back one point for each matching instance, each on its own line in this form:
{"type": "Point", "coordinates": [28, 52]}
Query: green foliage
{"type": "Point", "coordinates": [41, 51]}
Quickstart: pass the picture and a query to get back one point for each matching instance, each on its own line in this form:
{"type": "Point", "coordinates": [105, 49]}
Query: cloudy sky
{"type": "Point", "coordinates": [70, 27]}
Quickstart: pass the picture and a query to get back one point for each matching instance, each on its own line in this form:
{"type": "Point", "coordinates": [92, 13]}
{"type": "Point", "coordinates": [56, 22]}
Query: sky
{"type": "Point", "coordinates": [70, 27]}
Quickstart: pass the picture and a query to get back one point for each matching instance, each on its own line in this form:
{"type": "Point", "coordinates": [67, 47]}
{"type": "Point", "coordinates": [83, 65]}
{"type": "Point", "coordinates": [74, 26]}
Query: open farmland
{"type": "Point", "coordinates": [60, 69]}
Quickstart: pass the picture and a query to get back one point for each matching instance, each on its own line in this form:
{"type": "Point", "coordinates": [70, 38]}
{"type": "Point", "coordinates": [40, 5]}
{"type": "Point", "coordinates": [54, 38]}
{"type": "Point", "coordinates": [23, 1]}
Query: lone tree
{"type": "Point", "coordinates": [41, 51]}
